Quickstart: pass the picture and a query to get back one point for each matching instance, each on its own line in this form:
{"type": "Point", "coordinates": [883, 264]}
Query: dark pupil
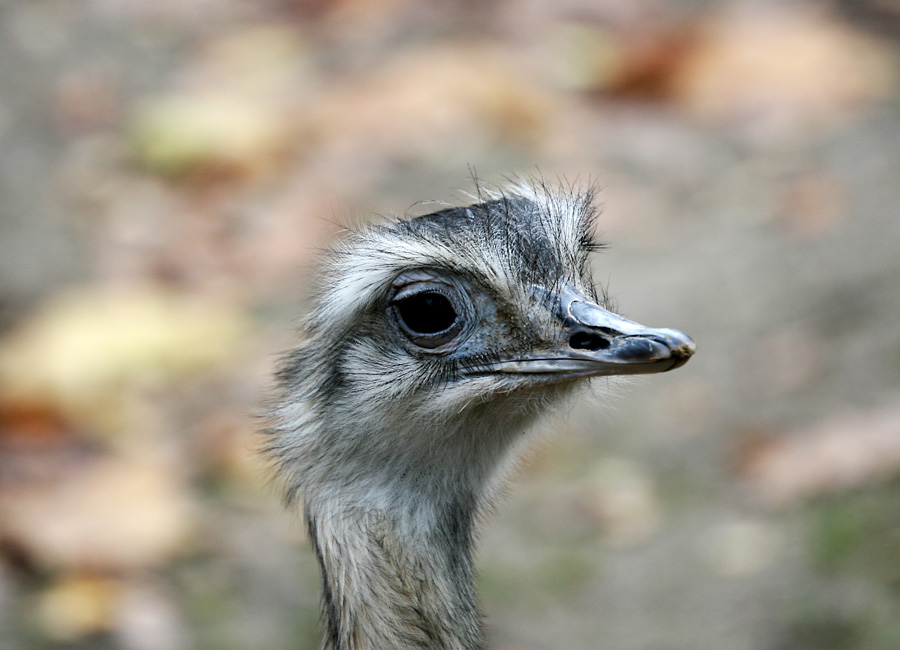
{"type": "Point", "coordinates": [426, 313]}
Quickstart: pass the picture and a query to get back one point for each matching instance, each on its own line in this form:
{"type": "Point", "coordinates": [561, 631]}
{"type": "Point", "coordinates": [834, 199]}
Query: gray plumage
{"type": "Point", "coordinates": [433, 343]}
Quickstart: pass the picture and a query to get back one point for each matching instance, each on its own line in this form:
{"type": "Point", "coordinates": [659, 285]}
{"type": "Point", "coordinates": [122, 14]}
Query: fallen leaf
{"type": "Point", "coordinates": [839, 454]}
{"type": "Point", "coordinates": [84, 350]}
{"type": "Point", "coordinates": [77, 606]}
{"type": "Point", "coordinates": [430, 95]}
{"type": "Point", "coordinates": [777, 72]}
{"type": "Point", "coordinates": [107, 513]}
{"type": "Point", "coordinates": [212, 134]}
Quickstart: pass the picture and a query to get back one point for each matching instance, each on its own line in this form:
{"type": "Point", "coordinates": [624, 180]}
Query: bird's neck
{"type": "Point", "coordinates": [397, 577]}
{"type": "Point", "coordinates": [392, 517]}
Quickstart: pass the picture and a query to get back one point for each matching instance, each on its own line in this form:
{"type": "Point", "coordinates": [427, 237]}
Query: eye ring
{"type": "Point", "coordinates": [432, 314]}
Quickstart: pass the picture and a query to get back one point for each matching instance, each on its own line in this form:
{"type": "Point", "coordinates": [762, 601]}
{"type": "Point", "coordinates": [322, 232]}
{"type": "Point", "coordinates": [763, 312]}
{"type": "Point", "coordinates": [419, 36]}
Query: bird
{"type": "Point", "coordinates": [431, 346]}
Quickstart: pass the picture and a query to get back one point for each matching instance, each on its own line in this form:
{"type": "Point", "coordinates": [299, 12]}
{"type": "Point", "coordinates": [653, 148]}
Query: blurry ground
{"type": "Point", "coordinates": [167, 170]}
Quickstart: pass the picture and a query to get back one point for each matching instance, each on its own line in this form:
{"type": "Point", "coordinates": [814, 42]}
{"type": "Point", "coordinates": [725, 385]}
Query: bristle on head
{"type": "Point", "coordinates": [527, 233]}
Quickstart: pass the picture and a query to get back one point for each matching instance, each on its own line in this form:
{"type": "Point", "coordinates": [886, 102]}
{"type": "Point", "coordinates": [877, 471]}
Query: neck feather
{"type": "Point", "coordinates": [391, 512]}
{"type": "Point", "coordinates": [398, 580]}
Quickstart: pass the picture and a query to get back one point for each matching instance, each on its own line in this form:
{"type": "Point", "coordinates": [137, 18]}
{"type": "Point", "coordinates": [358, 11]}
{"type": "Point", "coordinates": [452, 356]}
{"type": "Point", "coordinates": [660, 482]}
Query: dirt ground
{"type": "Point", "coordinates": [168, 171]}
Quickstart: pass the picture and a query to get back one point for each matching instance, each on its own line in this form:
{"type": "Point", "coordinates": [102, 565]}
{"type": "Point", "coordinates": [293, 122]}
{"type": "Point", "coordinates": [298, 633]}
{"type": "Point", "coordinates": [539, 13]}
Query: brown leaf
{"type": "Point", "coordinates": [813, 204]}
{"type": "Point", "coordinates": [429, 95]}
{"type": "Point", "coordinates": [106, 514]}
{"type": "Point", "coordinates": [777, 71]}
{"type": "Point", "coordinates": [839, 454]}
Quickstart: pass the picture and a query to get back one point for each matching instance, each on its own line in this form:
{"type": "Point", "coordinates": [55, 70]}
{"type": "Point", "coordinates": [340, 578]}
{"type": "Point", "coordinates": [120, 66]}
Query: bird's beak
{"type": "Point", "coordinates": [599, 342]}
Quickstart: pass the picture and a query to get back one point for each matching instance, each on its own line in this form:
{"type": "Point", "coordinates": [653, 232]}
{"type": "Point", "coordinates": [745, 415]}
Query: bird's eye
{"type": "Point", "coordinates": [426, 313]}
{"type": "Point", "coordinates": [428, 319]}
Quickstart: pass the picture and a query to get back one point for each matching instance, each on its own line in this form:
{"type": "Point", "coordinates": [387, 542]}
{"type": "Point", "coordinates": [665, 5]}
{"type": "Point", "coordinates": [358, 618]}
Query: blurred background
{"type": "Point", "coordinates": [169, 169]}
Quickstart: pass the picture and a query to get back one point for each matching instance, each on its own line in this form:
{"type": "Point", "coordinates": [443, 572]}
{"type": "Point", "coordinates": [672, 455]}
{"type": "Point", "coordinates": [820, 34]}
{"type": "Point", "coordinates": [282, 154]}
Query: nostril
{"type": "Point", "coordinates": [588, 341]}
